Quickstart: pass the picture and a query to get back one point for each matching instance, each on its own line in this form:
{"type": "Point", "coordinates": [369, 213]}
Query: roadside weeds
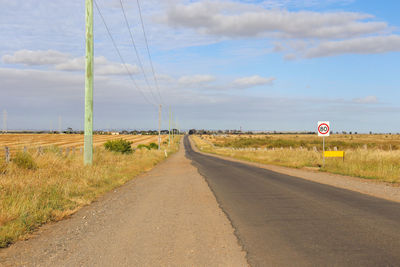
{"type": "Point", "coordinates": [58, 185]}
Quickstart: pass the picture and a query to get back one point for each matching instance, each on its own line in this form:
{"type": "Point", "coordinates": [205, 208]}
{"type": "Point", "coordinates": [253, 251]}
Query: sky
{"type": "Point", "coordinates": [222, 64]}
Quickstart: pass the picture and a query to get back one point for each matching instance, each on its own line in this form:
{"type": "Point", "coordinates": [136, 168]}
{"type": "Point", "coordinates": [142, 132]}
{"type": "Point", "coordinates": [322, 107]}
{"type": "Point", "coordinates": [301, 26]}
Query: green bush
{"type": "Point", "coordinates": [142, 146]}
{"type": "Point", "coordinates": [119, 145]}
{"type": "Point", "coordinates": [149, 147]}
{"type": "Point", "coordinates": [25, 161]}
{"type": "Point", "coordinates": [153, 146]}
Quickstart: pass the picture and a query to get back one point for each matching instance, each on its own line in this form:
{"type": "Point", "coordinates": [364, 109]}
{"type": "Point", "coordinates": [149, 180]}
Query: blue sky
{"type": "Point", "coordinates": [260, 65]}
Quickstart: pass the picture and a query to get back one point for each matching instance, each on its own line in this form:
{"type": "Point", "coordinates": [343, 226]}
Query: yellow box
{"type": "Point", "coordinates": [334, 154]}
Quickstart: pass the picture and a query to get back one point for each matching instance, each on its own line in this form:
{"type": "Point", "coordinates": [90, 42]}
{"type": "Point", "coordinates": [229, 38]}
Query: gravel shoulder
{"type": "Point", "coordinates": [167, 217]}
{"type": "Point", "coordinates": [370, 187]}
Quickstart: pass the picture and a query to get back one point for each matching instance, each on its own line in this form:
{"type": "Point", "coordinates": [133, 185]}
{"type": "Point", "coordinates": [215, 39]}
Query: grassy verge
{"type": "Point", "coordinates": [377, 164]}
{"type": "Point", "coordinates": [37, 189]}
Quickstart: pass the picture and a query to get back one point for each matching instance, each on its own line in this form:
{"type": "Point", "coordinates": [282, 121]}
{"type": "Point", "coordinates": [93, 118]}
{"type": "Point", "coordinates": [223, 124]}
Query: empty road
{"type": "Point", "coordinates": [287, 221]}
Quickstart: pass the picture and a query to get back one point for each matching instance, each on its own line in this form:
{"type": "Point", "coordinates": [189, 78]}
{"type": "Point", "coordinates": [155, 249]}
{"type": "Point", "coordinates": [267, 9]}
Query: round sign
{"type": "Point", "coordinates": [323, 128]}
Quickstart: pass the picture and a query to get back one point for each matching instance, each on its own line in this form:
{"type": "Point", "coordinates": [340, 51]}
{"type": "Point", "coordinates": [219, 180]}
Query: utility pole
{"type": "Point", "coordinates": [59, 124]}
{"type": "Point", "coordinates": [169, 127]}
{"type": "Point", "coordinates": [5, 121]}
{"type": "Point", "coordinates": [173, 126]}
{"type": "Point", "coordinates": [88, 138]}
{"type": "Point", "coordinates": [159, 127]}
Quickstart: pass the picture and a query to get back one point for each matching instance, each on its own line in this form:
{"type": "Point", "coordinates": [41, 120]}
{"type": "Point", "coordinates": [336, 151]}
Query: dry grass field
{"type": "Point", "coordinates": [16, 142]}
{"type": "Point", "coordinates": [367, 156]}
{"type": "Point", "coordinates": [36, 188]}
{"type": "Point", "coordinates": [341, 141]}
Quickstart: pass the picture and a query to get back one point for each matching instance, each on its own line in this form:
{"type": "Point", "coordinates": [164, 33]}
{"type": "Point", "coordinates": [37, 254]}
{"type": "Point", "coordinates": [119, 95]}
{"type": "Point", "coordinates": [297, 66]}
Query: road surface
{"type": "Point", "coordinates": [288, 221]}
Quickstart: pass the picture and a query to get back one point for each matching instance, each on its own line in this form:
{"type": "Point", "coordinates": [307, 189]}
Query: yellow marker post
{"type": "Point", "coordinates": [334, 154]}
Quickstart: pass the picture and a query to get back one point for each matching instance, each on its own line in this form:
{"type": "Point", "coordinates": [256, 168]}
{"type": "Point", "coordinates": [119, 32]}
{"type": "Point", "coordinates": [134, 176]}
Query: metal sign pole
{"type": "Point", "coordinates": [323, 151]}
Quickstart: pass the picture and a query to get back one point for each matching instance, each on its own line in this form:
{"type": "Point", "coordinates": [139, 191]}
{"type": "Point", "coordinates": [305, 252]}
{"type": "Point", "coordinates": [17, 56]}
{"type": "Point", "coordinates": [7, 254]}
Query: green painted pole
{"type": "Point", "coordinates": [173, 126]}
{"type": "Point", "coordinates": [169, 128]}
{"type": "Point", "coordinates": [159, 127]}
{"type": "Point", "coordinates": [88, 139]}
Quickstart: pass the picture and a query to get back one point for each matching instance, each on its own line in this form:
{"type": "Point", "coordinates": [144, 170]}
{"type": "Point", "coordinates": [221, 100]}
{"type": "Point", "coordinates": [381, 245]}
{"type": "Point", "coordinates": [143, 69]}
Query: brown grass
{"type": "Point", "coordinates": [16, 142]}
{"type": "Point", "coordinates": [371, 163]}
{"type": "Point", "coordinates": [60, 185]}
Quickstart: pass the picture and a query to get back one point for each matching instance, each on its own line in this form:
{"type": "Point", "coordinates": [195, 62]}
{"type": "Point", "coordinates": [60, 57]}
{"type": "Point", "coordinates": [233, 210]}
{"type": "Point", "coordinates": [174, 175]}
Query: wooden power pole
{"type": "Point", "coordinates": [159, 127]}
{"type": "Point", "coordinates": [169, 127]}
{"type": "Point", "coordinates": [88, 139]}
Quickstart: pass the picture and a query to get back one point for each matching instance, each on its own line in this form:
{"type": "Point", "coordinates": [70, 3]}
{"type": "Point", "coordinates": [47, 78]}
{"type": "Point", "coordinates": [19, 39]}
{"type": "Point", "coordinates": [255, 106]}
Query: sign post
{"type": "Point", "coordinates": [323, 130]}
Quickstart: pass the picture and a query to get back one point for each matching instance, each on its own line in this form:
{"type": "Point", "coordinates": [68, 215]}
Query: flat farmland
{"type": "Point", "coordinates": [309, 141]}
{"type": "Point", "coordinates": [17, 142]}
{"type": "Point", "coordinates": [367, 156]}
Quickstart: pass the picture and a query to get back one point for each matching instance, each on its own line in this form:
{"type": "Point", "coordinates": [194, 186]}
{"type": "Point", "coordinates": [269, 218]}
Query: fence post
{"type": "Point", "coordinates": [40, 150]}
{"type": "Point", "coordinates": [67, 151]}
{"type": "Point", "coordinates": [7, 150]}
{"type": "Point", "coordinates": [25, 149]}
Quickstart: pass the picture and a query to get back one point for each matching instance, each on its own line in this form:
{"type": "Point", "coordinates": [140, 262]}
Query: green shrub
{"type": "Point", "coordinates": [119, 145]}
{"type": "Point", "coordinates": [153, 146]}
{"type": "Point", "coordinates": [25, 161]}
{"type": "Point", "coordinates": [140, 146]}
{"type": "Point", "coordinates": [149, 147]}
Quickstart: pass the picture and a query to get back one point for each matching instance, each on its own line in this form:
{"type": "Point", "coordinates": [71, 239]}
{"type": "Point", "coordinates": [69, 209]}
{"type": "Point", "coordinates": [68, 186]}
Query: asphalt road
{"type": "Point", "coordinates": [282, 220]}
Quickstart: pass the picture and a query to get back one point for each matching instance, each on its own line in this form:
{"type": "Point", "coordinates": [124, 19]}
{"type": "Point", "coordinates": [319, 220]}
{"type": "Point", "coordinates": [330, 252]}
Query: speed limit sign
{"type": "Point", "coordinates": [323, 128]}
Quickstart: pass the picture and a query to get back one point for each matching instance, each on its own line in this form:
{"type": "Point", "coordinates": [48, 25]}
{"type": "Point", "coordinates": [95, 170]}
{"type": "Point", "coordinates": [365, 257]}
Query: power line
{"type": "Point", "coordinates": [148, 51]}
{"type": "Point", "coordinates": [136, 51]}
{"type": "Point", "coordinates": [120, 56]}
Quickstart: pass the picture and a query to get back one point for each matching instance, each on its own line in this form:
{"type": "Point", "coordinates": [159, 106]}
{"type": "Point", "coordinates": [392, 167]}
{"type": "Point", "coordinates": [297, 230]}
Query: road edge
{"type": "Point", "coordinates": [235, 230]}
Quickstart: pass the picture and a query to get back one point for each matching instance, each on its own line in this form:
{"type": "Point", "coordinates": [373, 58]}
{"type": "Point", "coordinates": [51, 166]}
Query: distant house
{"type": "Point", "coordinates": [114, 133]}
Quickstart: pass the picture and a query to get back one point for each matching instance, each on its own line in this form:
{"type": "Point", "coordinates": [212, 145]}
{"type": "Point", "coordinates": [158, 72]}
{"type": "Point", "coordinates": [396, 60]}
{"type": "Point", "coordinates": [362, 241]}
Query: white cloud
{"type": "Point", "coordinates": [366, 100]}
{"type": "Point", "coordinates": [115, 69]}
{"type": "Point", "coordinates": [72, 64]}
{"type": "Point", "coordinates": [196, 79]}
{"type": "Point", "coordinates": [102, 66]}
{"type": "Point", "coordinates": [252, 81]}
{"type": "Point", "coordinates": [237, 20]}
{"type": "Point", "coordinates": [365, 45]}
{"type": "Point", "coordinates": [303, 3]}
{"type": "Point", "coordinates": [64, 62]}
{"type": "Point", "coordinates": [38, 57]}
{"type": "Point", "coordinates": [295, 34]}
